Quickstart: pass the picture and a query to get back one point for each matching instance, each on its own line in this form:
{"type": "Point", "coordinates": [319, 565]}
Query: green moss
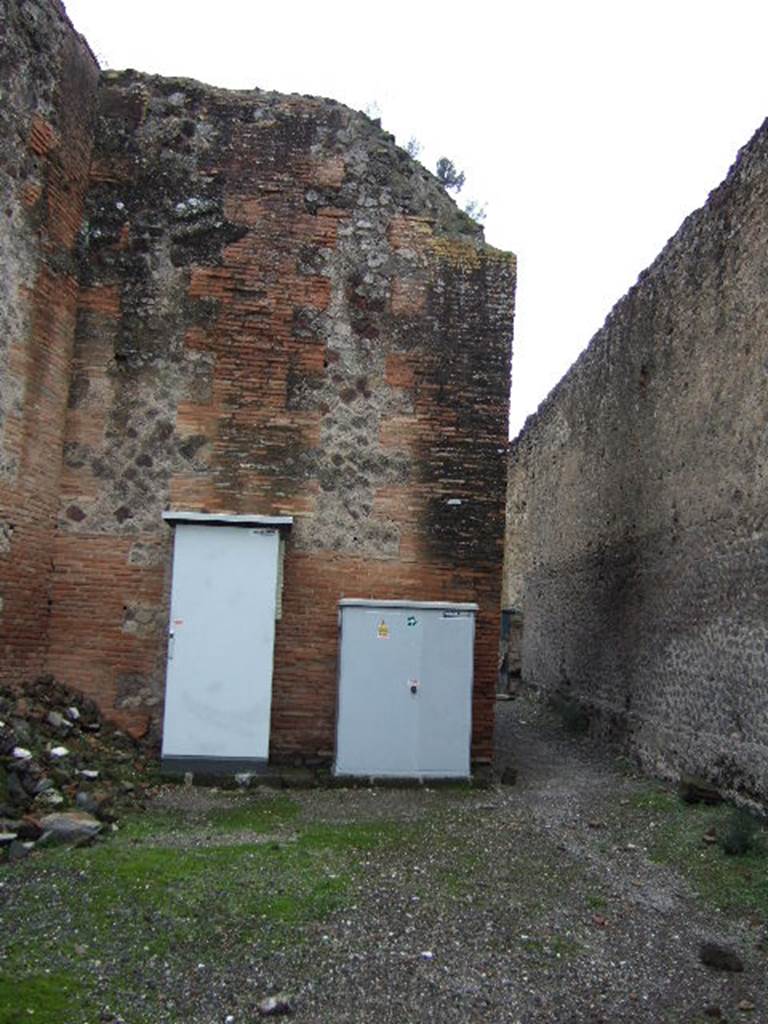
{"type": "Point", "coordinates": [42, 998]}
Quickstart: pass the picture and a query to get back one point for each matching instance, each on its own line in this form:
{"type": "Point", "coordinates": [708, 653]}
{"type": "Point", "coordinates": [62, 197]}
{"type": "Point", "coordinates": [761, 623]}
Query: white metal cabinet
{"type": "Point", "coordinates": [220, 649]}
{"type": "Point", "coordinates": [405, 689]}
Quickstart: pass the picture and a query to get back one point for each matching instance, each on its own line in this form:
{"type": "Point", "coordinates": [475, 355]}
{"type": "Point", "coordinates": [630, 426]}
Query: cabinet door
{"type": "Point", "coordinates": [221, 639]}
{"type": "Point", "coordinates": [445, 694]}
{"type": "Point", "coordinates": [377, 718]}
{"type": "Point", "coordinates": [405, 690]}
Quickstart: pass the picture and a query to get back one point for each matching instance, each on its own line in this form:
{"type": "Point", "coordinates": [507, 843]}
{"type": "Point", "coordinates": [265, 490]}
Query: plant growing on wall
{"type": "Point", "coordinates": [476, 210]}
{"type": "Point", "coordinates": [449, 176]}
{"type": "Point", "coordinates": [413, 147]}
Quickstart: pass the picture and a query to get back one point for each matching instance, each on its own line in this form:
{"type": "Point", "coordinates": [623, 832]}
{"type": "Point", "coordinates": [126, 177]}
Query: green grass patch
{"type": "Point", "coordinates": [457, 788]}
{"type": "Point", "coordinates": [264, 815]}
{"type": "Point", "coordinates": [245, 814]}
{"type": "Point", "coordinates": [147, 824]}
{"type": "Point", "coordinates": [656, 799]}
{"type": "Point", "coordinates": [125, 902]}
{"type": "Point", "coordinates": [41, 998]}
{"type": "Point", "coordinates": [735, 884]}
{"type": "Point", "coordinates": [459, 871]}
{"type": "Point", "coordinates": [185, 895]}
{"type": "Point", "coordinates": [563, 946]}
{"type": "Point", "coordinates": [358, 836]}
{"type": "Point", "coordinates": [596, 902]}
{"type": "Point", "coordinates": [552, 947]}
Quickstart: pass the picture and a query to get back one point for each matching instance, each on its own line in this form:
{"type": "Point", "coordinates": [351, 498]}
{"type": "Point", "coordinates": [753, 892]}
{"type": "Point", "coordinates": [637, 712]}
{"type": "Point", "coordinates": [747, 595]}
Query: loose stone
{"type": "Point", "coordinates": [721, 957]}
{"type": "Point", "coordinates": [68, 827]}
{"type": "Point", "coordinates": [275, 1006]}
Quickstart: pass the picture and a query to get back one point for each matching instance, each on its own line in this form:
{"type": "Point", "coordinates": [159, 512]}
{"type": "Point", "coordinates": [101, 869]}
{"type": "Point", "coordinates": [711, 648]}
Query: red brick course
{"type": "Point", "coordinates": [57, 124]}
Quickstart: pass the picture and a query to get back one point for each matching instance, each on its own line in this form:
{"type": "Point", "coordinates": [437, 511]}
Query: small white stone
{"type": "Point", "coordinates": [58, 752]}
{"type": "Point", "coordinates": [73, 713]}
{"type": "Point", "coordinates": [89, 773]}
{"type": "Point", "coordinates": [274, 1006]}
{"type": "Point", "coordinates": [427, 954]}
{"type": "Point", "coordinates": [21, 753]}
{"type": "Point", "coordinates": [51, 798]}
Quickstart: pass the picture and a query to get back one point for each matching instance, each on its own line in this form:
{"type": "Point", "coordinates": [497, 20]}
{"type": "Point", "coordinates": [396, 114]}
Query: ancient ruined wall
{"type": "Point", "coordinates": [638, 498]}
{"type": "Point", "coordinates": [47, 104]}
{"type": "Point", "coordinates": [280, 313]}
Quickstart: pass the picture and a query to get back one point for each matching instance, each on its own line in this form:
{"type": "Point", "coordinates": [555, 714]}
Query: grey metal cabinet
{"type": "Point", "coordinates": [405, 689]}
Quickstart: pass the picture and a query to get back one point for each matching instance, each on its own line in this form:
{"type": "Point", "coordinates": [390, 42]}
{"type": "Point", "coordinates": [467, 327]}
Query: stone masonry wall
{"type": "Point", "coordinates": [48, 81]}
{"type": "Point", "coordinates": [280, 313]}
{"type": "Point", "coordinates": [638, 505]}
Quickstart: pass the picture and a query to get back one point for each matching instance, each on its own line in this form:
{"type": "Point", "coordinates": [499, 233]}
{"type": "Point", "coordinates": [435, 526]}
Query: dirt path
{"type": "Point", "coordinates": [642, 961]}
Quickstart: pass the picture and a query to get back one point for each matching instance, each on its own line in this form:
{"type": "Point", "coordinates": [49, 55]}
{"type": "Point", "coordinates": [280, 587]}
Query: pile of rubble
{"type": "Point", "coordinates": [65, 773]}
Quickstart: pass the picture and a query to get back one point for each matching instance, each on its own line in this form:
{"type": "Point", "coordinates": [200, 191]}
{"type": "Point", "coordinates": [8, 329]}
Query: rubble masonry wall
{"type": "Point", "coordinates": [637, 531]}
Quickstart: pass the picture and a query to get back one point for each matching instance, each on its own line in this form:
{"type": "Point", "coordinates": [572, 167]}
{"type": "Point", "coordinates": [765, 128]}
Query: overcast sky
{"type": "Point", "coordinates": [590, 128]}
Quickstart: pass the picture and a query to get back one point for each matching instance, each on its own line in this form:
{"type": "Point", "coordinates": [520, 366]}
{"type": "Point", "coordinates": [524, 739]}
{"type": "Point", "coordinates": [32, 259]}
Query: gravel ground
{"type": "Point", "coordinates": [523, 940]}
{"type": "Point", "coordinates": [531, 903]}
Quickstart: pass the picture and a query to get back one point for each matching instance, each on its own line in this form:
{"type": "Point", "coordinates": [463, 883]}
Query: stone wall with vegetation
{"type": "Point", "coordinates": [638, 505]}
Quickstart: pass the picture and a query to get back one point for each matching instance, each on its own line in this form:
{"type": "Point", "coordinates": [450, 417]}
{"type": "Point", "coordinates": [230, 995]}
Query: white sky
{"type": "Point", "coordinates": [590, 128]}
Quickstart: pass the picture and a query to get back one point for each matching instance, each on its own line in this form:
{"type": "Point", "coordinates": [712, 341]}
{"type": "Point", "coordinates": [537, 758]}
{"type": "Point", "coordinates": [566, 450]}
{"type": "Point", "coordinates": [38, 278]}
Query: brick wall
{"type": "Point", "coordinates": [637, 505]}
{"type": "Point", "coordinates": [48, 84]}
{"type": "Point", "coordinates": [280, 313]}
